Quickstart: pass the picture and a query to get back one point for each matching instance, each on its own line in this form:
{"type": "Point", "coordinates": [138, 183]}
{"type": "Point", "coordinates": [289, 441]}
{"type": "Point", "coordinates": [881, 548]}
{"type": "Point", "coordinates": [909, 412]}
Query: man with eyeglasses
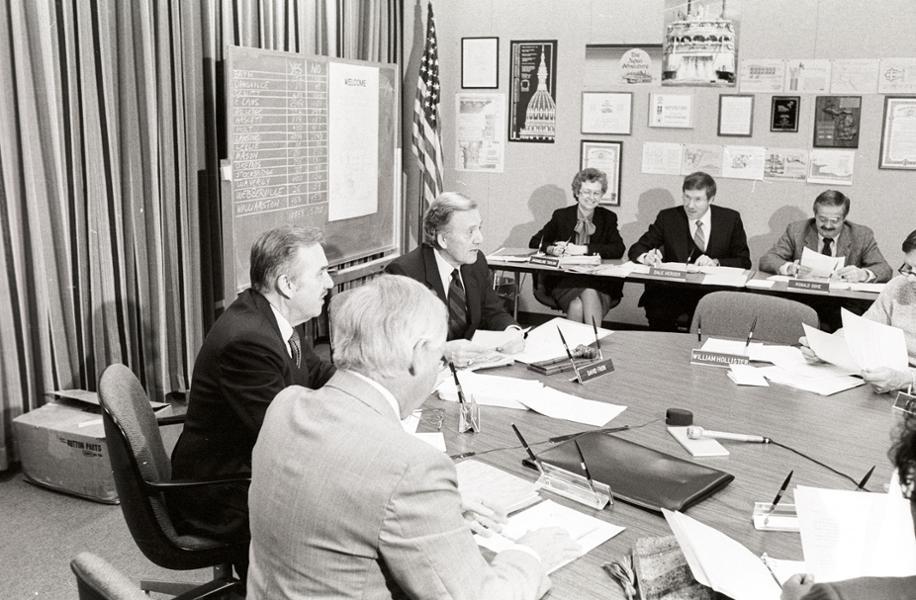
{"type": "Point", "coordinates": [829, 233]}
{"type": "Point", "coordinates": [695, 232]}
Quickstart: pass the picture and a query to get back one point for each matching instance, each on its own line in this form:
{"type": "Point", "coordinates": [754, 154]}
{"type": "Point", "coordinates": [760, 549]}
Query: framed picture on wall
{"type": "Point", "coordinates": [736, 115]}
{"type": "Point", "coordinates": [836, 121]}
{"type": "Point", "coordinates": [480, 62]}
{"type": "Point", "coordinates": [605, 156]}
{"type": "Point", "coordinates": [784, 113]}
{"type": "Point", "coordinates": [898, 134]}
{"type": "Point", "coordinates": [607, 112]}
{"type": "Point", "coordinates": [671, 110]}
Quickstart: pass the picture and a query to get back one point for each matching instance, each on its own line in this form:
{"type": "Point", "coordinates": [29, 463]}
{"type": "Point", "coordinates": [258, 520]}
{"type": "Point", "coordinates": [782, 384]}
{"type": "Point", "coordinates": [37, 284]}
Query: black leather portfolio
{"type": "Point", "coordinates": [638, 474]}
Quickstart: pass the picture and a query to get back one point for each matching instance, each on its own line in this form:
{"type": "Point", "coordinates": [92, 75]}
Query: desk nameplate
{"type": "Point", "coordinates": [546, 261]}
{"type": "Point", "coordinates": [669, 274]}
{"type": "Point", "coordinates": [596, 369]}
{"type": "Point", "coordinates": [808, 285]}
{"type": "Point", "coordinates": [905, 402]}
{"type": "Point", "coordinates": [717, 359]}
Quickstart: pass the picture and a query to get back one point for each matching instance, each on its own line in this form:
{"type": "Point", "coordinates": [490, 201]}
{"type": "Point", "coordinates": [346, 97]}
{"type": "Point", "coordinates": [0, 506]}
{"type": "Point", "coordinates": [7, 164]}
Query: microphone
{"type": "Point", "coordinates": [695, 432]}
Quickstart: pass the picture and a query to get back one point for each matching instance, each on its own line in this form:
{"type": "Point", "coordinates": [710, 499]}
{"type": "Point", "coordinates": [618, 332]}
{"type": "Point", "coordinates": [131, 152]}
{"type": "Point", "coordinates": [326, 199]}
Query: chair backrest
{"type": "Point", "coordinates": [138, 456]}
{"type": "Point", "coordinates": [96, 579]}
{"type": "Point", "coordinates": [730, 314]}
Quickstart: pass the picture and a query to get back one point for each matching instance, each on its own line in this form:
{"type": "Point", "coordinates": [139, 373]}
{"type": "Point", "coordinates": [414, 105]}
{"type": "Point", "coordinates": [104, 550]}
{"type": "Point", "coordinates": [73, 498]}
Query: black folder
{"type": "Point", "coordinates": [637, 474]}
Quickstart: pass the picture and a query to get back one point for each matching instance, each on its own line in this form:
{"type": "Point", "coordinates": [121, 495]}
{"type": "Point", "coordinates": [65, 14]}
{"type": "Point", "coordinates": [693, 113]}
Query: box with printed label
{"type": "Point", "coordinates": [62, 445]}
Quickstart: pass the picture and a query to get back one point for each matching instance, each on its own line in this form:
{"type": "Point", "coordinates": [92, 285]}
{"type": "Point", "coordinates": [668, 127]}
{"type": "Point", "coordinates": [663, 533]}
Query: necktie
{"type": "Point", "coordinates": [296, 347]}
{"type": "Point", "coordinates": [457, 308]}
{"type": "Point", "coordinates": [699, 238]}
{"type": "Point", "coordinates": [827, 250]}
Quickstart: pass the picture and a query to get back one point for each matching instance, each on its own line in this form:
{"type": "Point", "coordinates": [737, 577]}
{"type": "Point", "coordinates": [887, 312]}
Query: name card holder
{"type": "Point", "coordinates": [905, 402]}
{"type": "Point", "coordinates": [546, 261]}
{"type": "Point", "coordinates": [595, 369]}
{"type": "Point", "coordinates": [669, 274]}
{"type": "Point", "coordinates": [809, 285]}
{"type": "Point", "coordinates": [574, 486]}
{"type": "Point", "coordinates": [717, 359]}
{"type": "Point", "coordinates": [782, 518]}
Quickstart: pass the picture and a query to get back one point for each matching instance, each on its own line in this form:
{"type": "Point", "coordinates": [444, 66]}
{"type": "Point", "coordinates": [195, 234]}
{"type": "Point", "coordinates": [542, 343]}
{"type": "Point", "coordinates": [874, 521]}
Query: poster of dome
{"type": "Point", "coordinates": [701, 43]}
{"type": "Point", "coordinates": [532, 91]}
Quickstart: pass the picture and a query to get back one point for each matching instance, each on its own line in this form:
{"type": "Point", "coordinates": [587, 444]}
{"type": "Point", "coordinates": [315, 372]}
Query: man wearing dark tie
{"type": "Point", "coordinates": [831, 234]}
{"type": "Point", "coordinates": [451, 264]}
{"type": "Point", "coordinates": [252, 352]}
{"type": "Point", "coordinates": [696, 232]}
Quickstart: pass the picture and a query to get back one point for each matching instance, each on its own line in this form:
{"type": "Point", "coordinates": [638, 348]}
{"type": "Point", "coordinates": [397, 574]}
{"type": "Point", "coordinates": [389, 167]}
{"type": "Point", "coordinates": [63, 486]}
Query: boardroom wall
{"type": "Point", "coordinates": [517, 202]}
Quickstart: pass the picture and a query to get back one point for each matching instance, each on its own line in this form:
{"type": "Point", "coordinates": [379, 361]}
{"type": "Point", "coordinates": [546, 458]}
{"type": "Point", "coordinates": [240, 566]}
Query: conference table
{"type": "Point", "coordinates": [850, 431]}
{"type": "Point", "coordinates": [753, 280]}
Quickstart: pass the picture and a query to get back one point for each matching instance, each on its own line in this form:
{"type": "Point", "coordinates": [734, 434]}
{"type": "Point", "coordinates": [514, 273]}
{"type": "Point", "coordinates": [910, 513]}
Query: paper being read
{"type": "Point", "coordinates": [544, 342]}
{"type": "Point", "coordinates": [821, 265]}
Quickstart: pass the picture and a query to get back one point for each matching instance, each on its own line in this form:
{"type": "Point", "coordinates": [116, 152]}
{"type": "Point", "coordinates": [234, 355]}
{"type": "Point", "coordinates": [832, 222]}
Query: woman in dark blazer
{"type": "Point", "coordinates": [584, 228]}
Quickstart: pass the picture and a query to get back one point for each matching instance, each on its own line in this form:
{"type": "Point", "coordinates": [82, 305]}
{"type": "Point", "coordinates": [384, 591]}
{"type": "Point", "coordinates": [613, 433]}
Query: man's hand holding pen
{"type": "Point", "coordinates": [652, 258]}
{"type": "Point", "coordinates": [705, 261]}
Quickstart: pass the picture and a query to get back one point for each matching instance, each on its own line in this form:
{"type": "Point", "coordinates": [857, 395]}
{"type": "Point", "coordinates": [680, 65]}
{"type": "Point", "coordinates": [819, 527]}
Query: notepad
{"type": "Point", "coordinates": [747, 375]}
{"type": "Point", "coordinates": [479, 480]}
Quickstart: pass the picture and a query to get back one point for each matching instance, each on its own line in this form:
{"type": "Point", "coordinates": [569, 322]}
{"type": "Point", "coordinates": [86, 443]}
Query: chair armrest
{"type": "Point", "coordinates": [170, 420]}
{"type": "Point", "coordinates": [183, 484]}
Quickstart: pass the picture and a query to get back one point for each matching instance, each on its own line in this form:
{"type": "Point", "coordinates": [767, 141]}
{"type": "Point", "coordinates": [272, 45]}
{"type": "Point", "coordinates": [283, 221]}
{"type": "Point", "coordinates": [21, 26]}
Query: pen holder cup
{"type": "Point", "coordinates": [469, 416]}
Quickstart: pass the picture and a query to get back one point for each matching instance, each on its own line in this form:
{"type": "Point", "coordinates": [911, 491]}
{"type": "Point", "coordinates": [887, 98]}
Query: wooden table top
{"type": "Point", "coordinates": [850, 431]}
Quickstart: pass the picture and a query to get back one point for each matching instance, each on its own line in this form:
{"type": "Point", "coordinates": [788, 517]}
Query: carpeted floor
{"type": "Point", "coordinates": [41, 531]}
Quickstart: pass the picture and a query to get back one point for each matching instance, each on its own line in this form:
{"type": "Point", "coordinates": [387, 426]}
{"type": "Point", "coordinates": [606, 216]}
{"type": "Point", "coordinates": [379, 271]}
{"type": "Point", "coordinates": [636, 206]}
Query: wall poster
{"type": "Point", "coordinates": [532, 91]}
{"type": "Point", "coordinates": [836, 121]}
{"type": "Point", "coordinates": [480, 119]}
{"type": "Point", "coordinates": [701, 43]}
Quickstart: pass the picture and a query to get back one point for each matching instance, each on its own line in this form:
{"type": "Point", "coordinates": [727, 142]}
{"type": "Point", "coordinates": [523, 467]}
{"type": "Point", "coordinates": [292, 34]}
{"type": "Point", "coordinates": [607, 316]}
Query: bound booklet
{"type": "Point", "coordinates": [637, 474]}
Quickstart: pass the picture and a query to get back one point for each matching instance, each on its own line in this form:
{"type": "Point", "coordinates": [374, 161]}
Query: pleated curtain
{"type": "Point", "coordinates": [111, 130]}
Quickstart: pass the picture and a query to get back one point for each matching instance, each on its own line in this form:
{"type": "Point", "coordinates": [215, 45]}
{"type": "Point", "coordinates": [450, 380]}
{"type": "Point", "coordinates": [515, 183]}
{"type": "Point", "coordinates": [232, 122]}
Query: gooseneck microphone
{"type": "Point", "coordinates": [695, 432]}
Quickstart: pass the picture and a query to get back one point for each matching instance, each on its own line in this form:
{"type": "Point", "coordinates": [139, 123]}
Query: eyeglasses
{"type": "Point", "coordinates": [829, 221]}
{"type": "Point", "coordinates": [906, 269]}
{"type": "Point", "coordinates": [591, 194]}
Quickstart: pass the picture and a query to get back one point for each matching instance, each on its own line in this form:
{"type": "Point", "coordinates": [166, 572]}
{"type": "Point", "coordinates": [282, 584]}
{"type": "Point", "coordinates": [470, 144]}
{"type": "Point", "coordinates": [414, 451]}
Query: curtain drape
{"type": "Point", "coordinates": [111, 129]}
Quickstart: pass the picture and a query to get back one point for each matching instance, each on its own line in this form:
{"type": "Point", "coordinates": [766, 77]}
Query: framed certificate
{"type": "Point", "coordinates": [736, 115]}
{"type": "Point", "coordinates": [605, 156]}
{"type": "Point", "coordinates": [480, 62]}
{"type": "Point", "coordinates": [898, 134]}
{"type": "Point", "coordinates": [784, 113]}
{"type": "Point", "coordinates": [607, 112]}
{"type": "Point", "coordinates": [671, 110]}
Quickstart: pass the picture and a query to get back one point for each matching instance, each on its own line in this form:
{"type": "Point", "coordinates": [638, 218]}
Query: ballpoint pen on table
{"type": "Point", "coordinates": [451, 366]}
{"type": "Point", "coordinates": [569, 354]}
{"type": "Point", "coordinates": [782, 490]}
{"type": "Point", "coordinates": [766, 562]}
{"type": "Point", "coordinates": [750, 333]}
{"type": "Point", "coordinates": [518, 434]}
{"type": "Point", "coordinates": [699, 329]}
{"type": "Point", "coordinates": [597, 341]}
{"type": "Point", "coordinates": [566, 245]}
{"type": "Point", "coordinates": [865, 479]}
{"type": "Point", "coordinates": [584, 467]}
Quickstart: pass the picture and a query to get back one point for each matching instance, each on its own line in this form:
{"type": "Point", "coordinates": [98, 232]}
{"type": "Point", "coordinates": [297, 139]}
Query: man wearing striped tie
{"type": "Point", "coordinates": [696, 232]}
{"type": "Point", "coordinates": [251, 353]}
{"type": "Point", "coordinates": [451, 264]}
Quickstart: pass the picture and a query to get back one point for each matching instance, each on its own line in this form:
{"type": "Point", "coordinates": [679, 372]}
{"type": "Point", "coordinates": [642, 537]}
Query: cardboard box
{"type": "Point", "coordinates": [62, 445]}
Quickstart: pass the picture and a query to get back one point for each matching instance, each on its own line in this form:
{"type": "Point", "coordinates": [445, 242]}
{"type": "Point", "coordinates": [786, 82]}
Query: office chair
{"type": "Point", "coordinates": [730, 314]}
{"type": "Point", "coordinates": [143, 475]}
{"type": "Point", "coordinates": [96, 579]}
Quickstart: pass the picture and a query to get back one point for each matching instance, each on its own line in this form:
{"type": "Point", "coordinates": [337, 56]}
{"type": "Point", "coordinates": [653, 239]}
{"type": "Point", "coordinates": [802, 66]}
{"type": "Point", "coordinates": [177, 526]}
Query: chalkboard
{"type": "Point", "coordinates": [310, 140]}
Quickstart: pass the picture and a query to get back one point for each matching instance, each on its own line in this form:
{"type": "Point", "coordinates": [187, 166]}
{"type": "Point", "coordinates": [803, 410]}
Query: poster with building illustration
{"type": "Point", "coordinates": [532, 91]}
{"type": "Point", "coordinates": [700, 43]}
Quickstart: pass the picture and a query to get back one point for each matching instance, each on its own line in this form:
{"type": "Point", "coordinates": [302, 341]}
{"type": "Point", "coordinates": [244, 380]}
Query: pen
{"type": "Point", "coordinates": [689, 256]}
{"type": "Point", "coordinates": [699, 329]}
{"type": "Point", "coordinates": [750, 333]}
{"type": "Point", "coordinates": [865, 479]}
{"type": "Point", "coordinates": [569, 354]}
{"type": "Point", "coordinates": [597, 341]}
{"type": "Point", "coordinates": [766, 561]}
{"type": "Point", "coordinates": [563, 252]}
{"type": "Point", "coordinates": [451, 367]}
{"type": "Point", "coordinates": [782, 489]}
{"type": "Point", "coordinates": [588, 476]}
{"type": "Point", "coordinates": [518, 434]}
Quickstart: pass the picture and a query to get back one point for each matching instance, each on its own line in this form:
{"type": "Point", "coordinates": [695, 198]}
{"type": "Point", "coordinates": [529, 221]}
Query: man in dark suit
{"type": "Point", "coordinates": [831, 234]}
{"type": "Point", "coordinates": [696, 232]}
{"type": "Point", "coordinates": [252, 353]}
{"type": "Point", "coordinates": [451, 264]}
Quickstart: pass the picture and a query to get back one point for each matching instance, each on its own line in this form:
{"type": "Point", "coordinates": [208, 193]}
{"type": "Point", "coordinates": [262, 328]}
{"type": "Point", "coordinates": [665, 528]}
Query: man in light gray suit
{"type": "Point", "coordinates": [344, 504]}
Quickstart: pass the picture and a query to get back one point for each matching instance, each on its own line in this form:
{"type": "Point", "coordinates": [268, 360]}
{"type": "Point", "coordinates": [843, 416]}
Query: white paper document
{"type": "Point", "coordinates": [747, 375]}
{"type": "Point", "coordinates": [824, 379]}
{"type": "Point", "coordinates": [831, 348]}
{"type": "Point", "coordinates": [544, 342]}
{"type": "Point", "coordinates": [701, 447]}
{"type": "Point", "coordinates": [560, 405]}
{"type": "Point", "coordinates": [848, 534]}
{"type": "Point", "coordinates": [861, 344]}
{"type": "Point", "coordinates": [719, 562]}
{"type": "Point", "coordinates": [480, 480]}
{"type": "Point", "coordinates": [821, 265]}
{"type": "Point", "coordinates": [587, 531]}
{"type": "Point", "coordinates": [730, 346]}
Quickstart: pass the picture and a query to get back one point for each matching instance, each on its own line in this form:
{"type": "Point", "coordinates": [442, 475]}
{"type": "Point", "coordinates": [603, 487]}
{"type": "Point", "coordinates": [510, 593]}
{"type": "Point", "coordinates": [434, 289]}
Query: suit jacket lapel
{"type": "Point", "coordinates": [433, 281]}
{"type": "Point", "coordinates": [681, 238]}
{"type": "Point", "coordinates": [811, 239]}
{"type": "Point", "coordinates": [845, 245]}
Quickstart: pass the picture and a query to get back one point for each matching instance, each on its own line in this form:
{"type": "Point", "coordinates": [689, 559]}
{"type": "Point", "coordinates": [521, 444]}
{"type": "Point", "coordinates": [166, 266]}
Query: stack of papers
{"type": "Point", "coordinates": [861, 344]}
{"type": "Point", "coordinates": [624, 270]}
{"type": "Point", "coordinates": [731, 347]}
{"type": "Point", "coordinates": [544, 343]}
{"type": "Point", "coordinates": [820, 264]}
{"type": "Point", "coordinates": [719, 562]}
{"type": "Point", "coordinates": [588, 532]}
{"type": "Point", "coordinates": [510, 392]}
{"type": "Point", "coordinates": [511, 254]}
{"type": "Point", "coordinates": [747, 375]}
{"type": "Point", "coordinates": [480, 480]}
{"type": "Point", "coordinates": [848, 534]}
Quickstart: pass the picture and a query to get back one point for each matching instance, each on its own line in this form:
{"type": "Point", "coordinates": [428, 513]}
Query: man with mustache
{"type": "Point", "coordinates": [829, 233]}
{"type": "Point", "coordinates": [252, 352]}
{"type": "Point", "coordinates": [451, 264]}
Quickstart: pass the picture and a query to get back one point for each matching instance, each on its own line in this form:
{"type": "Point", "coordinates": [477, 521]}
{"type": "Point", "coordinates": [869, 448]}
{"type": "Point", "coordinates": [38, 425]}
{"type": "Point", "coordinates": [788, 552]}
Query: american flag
{"type": "Point", "coordinates": [427, 144]}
